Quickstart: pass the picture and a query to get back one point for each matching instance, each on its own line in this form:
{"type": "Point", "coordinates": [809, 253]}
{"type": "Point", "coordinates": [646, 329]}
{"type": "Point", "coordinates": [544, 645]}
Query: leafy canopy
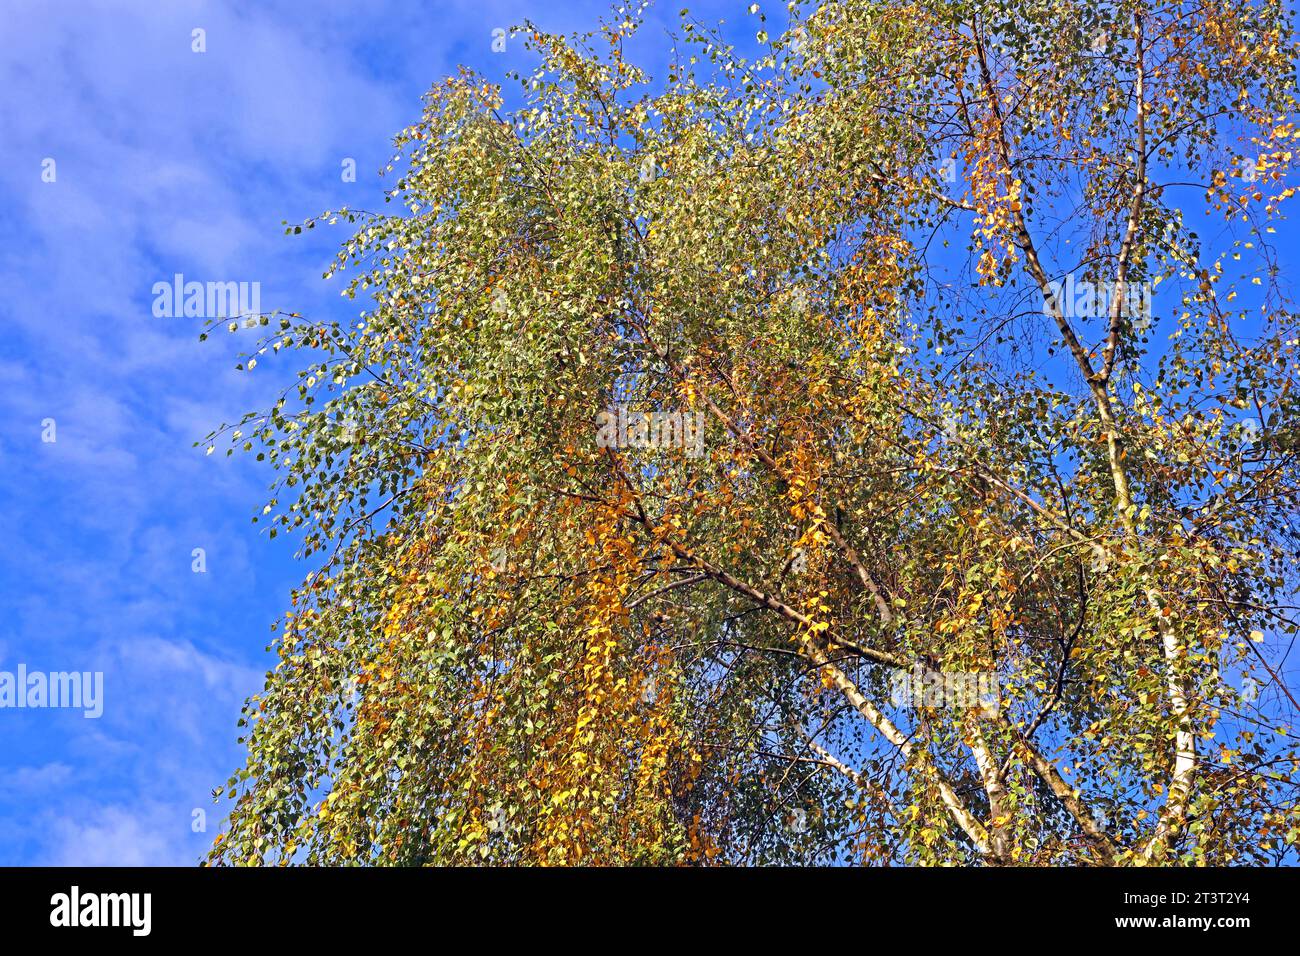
{"type": "Point", "coordinates": [854, 260]}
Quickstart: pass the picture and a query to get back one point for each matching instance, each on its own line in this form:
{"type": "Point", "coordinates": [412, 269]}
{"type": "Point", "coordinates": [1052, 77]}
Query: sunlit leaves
{"type": "Point", "coordinates": [524, 645]}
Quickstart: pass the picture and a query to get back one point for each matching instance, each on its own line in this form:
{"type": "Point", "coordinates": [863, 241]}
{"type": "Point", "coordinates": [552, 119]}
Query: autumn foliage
{"type": "Point", "coordinates": [847, 255]}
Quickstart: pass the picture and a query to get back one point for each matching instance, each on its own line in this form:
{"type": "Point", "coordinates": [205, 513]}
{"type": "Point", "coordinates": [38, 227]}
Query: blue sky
{"type": "Point", "coordinates": [169, 161]}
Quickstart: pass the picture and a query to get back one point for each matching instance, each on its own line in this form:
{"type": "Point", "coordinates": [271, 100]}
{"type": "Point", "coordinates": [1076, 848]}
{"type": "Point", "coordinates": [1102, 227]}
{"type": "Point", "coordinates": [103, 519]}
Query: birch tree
{"type": "Point", "coordinates": [877, 449]}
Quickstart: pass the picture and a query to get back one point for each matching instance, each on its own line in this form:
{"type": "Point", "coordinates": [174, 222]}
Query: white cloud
{"type": "Point", "coordinates": [34, 781]}
{"type": "Point", "coordinates": [151, 835]}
